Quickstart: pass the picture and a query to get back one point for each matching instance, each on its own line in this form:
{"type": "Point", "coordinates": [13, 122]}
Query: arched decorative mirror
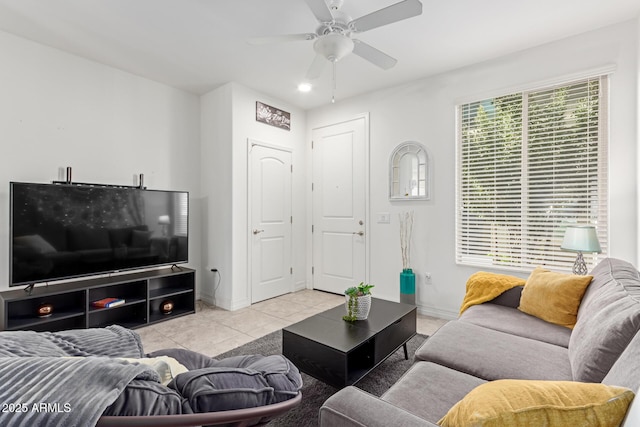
{"type": "Point", "coordinates": [409, 172]}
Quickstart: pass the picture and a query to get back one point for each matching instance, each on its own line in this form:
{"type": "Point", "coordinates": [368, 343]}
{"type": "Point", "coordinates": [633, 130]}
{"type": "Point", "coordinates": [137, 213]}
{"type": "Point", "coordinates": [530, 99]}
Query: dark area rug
{"type": "Point", "coordinates": [315, 392]}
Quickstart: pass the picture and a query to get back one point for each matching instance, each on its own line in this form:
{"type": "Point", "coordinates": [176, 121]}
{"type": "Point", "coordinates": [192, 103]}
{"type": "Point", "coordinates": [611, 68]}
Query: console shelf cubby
{"type": "Point", "coordinates": [143, 292]}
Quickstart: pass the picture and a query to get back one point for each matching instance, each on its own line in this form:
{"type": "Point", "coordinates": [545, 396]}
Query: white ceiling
{"type": "Point", "coordinates": [198, 45]}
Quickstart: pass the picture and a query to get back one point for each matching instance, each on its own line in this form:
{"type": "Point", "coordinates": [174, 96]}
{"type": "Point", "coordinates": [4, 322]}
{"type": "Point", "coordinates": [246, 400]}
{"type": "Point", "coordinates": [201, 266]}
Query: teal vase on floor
{"type": "Point", "coordinates": [407, 286]}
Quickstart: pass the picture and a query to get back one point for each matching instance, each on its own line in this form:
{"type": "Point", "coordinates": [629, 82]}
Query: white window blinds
{"type": "Point", "coordinates": [181, 213]}
{"type": "Point", "coordinates": [529, 164]}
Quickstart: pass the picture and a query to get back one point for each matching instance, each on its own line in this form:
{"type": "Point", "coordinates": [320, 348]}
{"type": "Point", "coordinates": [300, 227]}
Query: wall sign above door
{"type": "Point", "coordinates": [273, 116]}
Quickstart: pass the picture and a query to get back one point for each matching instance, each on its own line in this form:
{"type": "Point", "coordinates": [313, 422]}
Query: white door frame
{"type": "Point", "coordinates": [250, 144]}
{"type": "Point", "coordinates": [367, 208]}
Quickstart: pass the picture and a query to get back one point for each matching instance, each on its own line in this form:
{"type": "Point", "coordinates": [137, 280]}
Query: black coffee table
{"type": "Point", "coordinates": [341, 353]}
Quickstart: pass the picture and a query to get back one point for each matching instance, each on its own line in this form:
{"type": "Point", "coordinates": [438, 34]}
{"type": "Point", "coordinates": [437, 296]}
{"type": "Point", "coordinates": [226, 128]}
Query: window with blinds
{"type": "Point", "coordinates": [181, 213]}
{"type": "Point", "coordinates": [529, 164]}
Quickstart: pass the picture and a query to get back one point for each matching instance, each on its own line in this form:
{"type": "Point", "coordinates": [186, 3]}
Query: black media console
{"type": "Point", "coordinates": [143, 292]}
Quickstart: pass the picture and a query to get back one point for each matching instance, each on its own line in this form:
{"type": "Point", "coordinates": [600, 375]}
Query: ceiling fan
{"type": "Point", "coordinates": [333, 37]}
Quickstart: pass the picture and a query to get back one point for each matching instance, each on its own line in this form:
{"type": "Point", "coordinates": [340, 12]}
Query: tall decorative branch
{"type": "Point", "coordinates": [406, 228]}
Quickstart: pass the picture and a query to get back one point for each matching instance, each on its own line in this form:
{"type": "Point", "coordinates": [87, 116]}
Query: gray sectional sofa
{"type": "Point", "coordinates": [495, 340]}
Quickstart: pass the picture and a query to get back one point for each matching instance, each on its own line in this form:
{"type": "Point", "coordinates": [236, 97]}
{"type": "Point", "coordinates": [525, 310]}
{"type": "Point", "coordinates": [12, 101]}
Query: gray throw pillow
{"type": "Point", "coordinates": [239, 382]}
{"type": "Point", "coordinates": [223, 389]}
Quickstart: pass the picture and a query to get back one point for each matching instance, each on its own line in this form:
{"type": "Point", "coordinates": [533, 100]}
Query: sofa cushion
{"type": "Point", "coordinates": [517, 403]}
{"type": "Point", "coordinates": [493, 355]}
{"type": "Point", "coordinates": [239, 382]}
{"type": "Point", "coordinates": [509, 298]}
{"type": "Point", "coordinates": [608, 319]}
{"type": "Point", "coordinates": [223, 389]}
{"type": "Point", "coordinates": [353, 407]}
{"type": "Point", "coordinates": [443, 386]}
{"type": "Point", "coordinates": [601, 277]}
{"type": "Point", "coordinates": [515, 322]}
{"type": "Point", "coordinates": [554, 297]}
{"type": "Point", "coordinates": [277, 370]}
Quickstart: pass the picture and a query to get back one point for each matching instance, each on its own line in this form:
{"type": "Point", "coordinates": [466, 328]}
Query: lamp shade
{"type": "Point", "coordinates": [581, 238]}
{"type": "Point", "coordinates": [164, 219]}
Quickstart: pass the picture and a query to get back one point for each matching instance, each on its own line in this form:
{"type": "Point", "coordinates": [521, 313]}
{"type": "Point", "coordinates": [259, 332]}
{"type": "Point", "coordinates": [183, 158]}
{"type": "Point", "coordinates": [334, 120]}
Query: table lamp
{"type": "Point", "coordinates": [164, 221]}
{"type": "Point", "coordinates": [581, 238]}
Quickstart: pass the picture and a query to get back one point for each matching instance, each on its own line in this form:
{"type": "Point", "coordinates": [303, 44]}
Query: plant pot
{"type": "Point", "coordinates": [361, 311]}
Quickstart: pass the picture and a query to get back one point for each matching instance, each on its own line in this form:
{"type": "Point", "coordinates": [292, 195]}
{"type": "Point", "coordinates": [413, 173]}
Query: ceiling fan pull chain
{"type": "Point", "coordinates": [333, 90]}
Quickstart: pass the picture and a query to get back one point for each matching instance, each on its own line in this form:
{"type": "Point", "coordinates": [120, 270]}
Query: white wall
{"type": "Point", "coordinates": [215, 158]}
{"type": "Point", "coordinates": [59, 110]}
{"type": "Point", "coordinates": [424, 111]}
{"type": "Point", "coordinates": [228, 231]}
{"type": "Point", "coordinates": [637, 123]}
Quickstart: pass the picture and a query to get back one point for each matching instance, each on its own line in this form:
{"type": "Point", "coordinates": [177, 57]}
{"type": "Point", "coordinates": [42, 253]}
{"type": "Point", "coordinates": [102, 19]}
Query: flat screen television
{"type": "Point", "coordinates": [60, 231]}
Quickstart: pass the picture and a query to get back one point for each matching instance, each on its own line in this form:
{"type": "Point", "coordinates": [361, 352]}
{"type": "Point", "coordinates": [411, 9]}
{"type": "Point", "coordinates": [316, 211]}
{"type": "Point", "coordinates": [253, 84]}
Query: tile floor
{"type": "Point", "coordinates": [212, 330]}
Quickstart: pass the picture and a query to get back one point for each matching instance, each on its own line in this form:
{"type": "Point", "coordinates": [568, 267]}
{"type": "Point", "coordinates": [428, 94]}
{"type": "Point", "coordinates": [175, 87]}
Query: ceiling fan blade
{"type": "Point", "coordinates": [281, 38]}
{"type": "Point", "coordinates": [316, 67]}
{"type": "Point", "coordinates": [373, 55]}
{"type": "Point", "coordinates": [320, 10]}
{"type": "Point", "coordinates": [390, 14]}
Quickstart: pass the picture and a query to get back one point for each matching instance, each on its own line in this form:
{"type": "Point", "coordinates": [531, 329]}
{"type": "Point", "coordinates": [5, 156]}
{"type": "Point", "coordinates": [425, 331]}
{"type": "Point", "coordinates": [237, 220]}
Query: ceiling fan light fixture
{"type": "Point", "coordinates": [333, 46]}
{"type": "Point", "coordinates": [333, 36]}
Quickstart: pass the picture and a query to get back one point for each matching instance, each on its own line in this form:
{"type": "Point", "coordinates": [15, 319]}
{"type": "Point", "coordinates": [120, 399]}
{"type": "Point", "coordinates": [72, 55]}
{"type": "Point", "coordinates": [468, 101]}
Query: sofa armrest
{"type": "Point", "coordinates": [633, 413]}
{"type": "Point", "coordinates": [509, 298]}
{"type": "Point", "coordinates": [354, 407]}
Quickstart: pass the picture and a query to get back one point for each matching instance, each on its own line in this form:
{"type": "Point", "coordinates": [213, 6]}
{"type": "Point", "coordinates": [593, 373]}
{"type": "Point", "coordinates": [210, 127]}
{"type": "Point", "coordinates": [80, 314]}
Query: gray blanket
{"type": "Point", "coordinates": [112, 341]}
{"type": "Point", "coordinates": [42, 383]}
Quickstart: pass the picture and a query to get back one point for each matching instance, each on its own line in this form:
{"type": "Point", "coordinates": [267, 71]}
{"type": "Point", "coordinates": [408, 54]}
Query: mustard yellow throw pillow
{"type": "Point", "coordinates": [525, 403]}
{"type": "Point", "coordinates": [554, 297]}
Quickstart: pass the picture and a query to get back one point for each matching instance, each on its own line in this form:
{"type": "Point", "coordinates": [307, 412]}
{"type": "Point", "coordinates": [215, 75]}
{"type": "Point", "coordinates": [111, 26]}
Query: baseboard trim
{"type": "Point", "coordinates": [226, 304]}
{"type": "Point", "coordinates": [437, 312]}
{"type": "Point", "coordinates": [301, 285]}
{"type": "Point", "coordinates": [238, 304]}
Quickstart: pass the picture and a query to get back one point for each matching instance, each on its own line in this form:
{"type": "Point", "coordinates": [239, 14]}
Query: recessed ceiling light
{"type": "Point", "coordinates": [304, 87]}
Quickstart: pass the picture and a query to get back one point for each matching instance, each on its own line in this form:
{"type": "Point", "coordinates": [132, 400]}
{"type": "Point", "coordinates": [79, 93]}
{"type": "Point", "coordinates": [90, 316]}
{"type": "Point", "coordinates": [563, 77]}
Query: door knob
{"type": "Point", "coordinates": [359, 233]}
{"type": "Point", "coordinates": [256, 231]}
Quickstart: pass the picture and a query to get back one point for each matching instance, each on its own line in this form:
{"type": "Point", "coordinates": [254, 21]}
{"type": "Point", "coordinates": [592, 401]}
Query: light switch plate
{"type": "Point", "coordinates": [384, 218]}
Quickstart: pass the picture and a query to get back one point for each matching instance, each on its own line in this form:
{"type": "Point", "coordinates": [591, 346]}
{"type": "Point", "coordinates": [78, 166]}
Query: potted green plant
{"type": "Point", "coordinates": [358, 302]}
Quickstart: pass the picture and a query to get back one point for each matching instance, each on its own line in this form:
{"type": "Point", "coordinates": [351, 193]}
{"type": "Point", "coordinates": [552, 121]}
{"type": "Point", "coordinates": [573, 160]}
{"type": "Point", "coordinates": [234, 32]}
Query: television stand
{"type": "Point", "coordinates": [143, 292]}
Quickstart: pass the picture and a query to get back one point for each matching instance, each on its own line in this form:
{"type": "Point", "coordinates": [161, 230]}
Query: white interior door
{"type": "Point", "coordinates": [339, 205]}
{"type": "Point", "coordinates": [270, 233]}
